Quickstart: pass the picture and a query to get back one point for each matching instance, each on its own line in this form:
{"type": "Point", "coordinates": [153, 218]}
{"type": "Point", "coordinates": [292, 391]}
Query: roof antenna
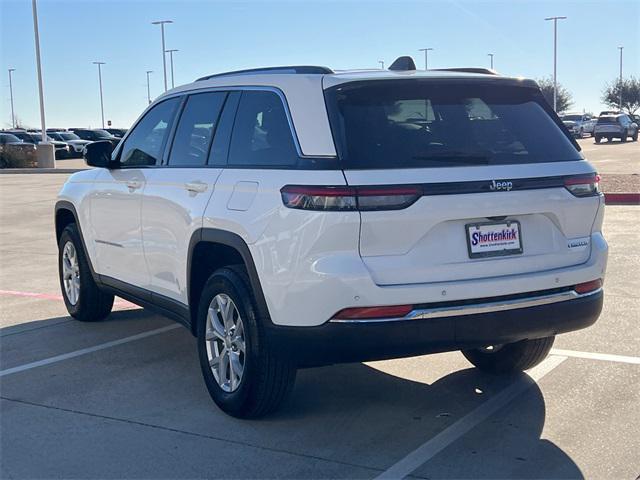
{"type": "Point", "coordinates": [403, 64]}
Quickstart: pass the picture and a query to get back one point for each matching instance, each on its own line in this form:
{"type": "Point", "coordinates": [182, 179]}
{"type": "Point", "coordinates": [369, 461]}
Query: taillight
{"type": "Point", "coordinates": [363, 313]}
{"type": "Point", "coordinates": [583, 186]}
{"type": "Point", "coordinates": [366, 198]}
{"type": "Point", "coordinates": [587, 287]}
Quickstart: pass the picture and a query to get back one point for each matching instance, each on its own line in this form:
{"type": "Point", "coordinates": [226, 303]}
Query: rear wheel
{"type": "Point", "coordinates": [597, 139]}
{"type": "Point", "coordinates": [82, 297]}
{"type": "Point", "coordinates": [245, 376]}
{"type": "Point", "coordinates": [623, 138]}
{"type": "Point", "coordinates": [510, 357]}
{"type": "Point", "coordinates": [634, 137]}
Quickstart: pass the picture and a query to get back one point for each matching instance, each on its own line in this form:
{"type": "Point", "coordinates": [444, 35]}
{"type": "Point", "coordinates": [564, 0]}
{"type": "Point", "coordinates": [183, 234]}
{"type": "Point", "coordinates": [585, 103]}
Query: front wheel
{"type": "Point", "coordinates": [244, 374]}
{"type": "Point", "coordinates": [510, 357]}
{"type": "Point", "coordinates": [623, 138]}
{"type": "Point", "coordinates": [634, 137]}
{"type": "Point", "coordinates": [82, 297]}
{"type": "Point", "coordinates": [597, 139]}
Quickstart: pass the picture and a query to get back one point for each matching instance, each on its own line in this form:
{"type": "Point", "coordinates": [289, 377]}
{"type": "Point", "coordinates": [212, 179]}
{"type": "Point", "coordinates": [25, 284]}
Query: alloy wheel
{"type": "Point", "coordinates": [225, 341]}
{"type": "Point", "coordinates": [71, 273]}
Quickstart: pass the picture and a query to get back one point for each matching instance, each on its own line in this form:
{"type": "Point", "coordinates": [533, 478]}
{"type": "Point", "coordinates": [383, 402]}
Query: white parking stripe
{"type": "Point", "coordinates": [597, 356]}
{"type": "Point", "coordinates": [450, 434]}
{"type": "Point", "coordinates": [84, 351]}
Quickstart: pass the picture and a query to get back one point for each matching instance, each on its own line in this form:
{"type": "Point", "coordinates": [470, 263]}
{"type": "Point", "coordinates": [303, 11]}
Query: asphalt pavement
{"type": "Point", "coordinates": [124, 398]}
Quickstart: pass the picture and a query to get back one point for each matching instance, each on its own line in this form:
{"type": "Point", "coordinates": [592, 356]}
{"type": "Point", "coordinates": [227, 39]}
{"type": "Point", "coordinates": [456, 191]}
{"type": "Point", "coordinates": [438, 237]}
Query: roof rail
{"type": "Point", "coordinates": [486, 71]}
{"type": "Point", "coordinates": [295, 69]}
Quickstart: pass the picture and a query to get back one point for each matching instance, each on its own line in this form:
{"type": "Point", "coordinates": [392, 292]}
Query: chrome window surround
{"type": "Point", "coordinates": [472, 309]}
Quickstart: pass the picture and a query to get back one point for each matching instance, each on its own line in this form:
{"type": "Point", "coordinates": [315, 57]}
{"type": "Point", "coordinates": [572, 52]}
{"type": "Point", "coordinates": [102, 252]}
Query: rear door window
{"type": "Point", "coordinates": [195, 129]}
{"type": "Point", "coordinates": [413, 124]}
{"type": "Point", "coordinates": [261, 135]}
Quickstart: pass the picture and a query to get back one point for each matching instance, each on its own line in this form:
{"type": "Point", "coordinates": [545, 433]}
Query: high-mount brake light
{"type": "Point", "coordinates": [365, 198]}
{"type": "Point", "coordinates": [583, 185]}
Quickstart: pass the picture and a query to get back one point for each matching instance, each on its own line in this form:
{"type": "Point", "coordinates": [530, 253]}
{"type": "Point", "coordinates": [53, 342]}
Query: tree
{"type": "Point", "coordinates": [630, 94]}
{"type": "Point", "coordinates": [563, 100]}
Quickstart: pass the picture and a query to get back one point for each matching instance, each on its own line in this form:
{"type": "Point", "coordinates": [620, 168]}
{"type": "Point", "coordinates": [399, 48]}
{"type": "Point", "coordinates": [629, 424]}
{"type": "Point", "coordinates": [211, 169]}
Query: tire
{"type": "Point", "coordinates": [511, 357]}
{"type": "Point", "coordinates": [634, 137]}
{"type": "Point", "coordinates": [597, 139]}
{"type": "Point", "coordinates": [89, 303]}
{"type": "Point", "coordinates": [581, 134]}
{"type": "Point", "coordinates": [623, 138]}
{"type": "Point", "coordinates": [266, 378]}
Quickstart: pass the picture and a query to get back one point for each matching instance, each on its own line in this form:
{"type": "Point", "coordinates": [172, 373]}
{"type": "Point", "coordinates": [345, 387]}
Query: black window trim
{"type": "Point", "coordinates": [305, 162]}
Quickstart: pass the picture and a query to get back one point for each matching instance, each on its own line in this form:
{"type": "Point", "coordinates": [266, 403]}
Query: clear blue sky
{"type": "Point", "coordinates": [215, 36]}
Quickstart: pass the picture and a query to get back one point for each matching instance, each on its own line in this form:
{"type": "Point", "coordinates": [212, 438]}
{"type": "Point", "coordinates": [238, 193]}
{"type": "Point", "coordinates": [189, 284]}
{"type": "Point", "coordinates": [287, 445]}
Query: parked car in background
{"type": "Point", "coordinates": [96, 135]}
{"type": "Point", "coordinates": [117, 132]}
{"type": "Point", "coordinates": [16, 153]}
{"type": "Point", "coordinates": [62, 149]}
{"type": "Point", "coordinates": [76, 144]}
{"type": "Point", "coordinates": [579, 124]}
{"type": "Point", "coordinates": [615, 126]}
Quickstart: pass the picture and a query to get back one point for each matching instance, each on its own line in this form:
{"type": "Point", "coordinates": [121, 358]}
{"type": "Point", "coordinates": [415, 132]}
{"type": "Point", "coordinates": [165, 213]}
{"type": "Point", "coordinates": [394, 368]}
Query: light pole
{"type": "Point", "coordinates": [170, 52]}
{"type": "Point", "coordinates": [99, 64]}
{"type": "Point", "coordinates": [164, 59]}
{"type": "Point", "coordinates": [45, 151]}
{"type": "Point", "coordinates": [426, 57]}
{"type": "Point", "coordinates": [491, 55]}
{"type": "Point", "coordinates": [13, 115]}
{"type": "Point", "coordinates": [148, 88]}
{"type": "Point", "coordinates": [620, 86]}
{"type": "Point", "coordinates": [555, 58]}
{"type": "Point", "coordinates": [381, 62]}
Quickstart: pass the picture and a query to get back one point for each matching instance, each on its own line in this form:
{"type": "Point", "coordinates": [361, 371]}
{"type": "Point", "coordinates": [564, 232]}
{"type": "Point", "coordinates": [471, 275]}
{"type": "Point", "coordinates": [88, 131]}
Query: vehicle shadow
{"type": "Point", "coordinates": [506, 445]}
{"type": "Point", "coordinates": [366, 415]}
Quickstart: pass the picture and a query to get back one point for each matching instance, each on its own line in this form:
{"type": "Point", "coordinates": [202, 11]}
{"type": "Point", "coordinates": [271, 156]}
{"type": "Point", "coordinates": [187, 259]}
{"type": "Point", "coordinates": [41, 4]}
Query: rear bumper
{"type": "Point", "coordinates": [343, 342]}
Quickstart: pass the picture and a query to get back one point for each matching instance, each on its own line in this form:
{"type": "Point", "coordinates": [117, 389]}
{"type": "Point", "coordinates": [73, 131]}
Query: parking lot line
{"type": "Point", "coordinates": [84, 351]}
{"type": "Point", "coordinates": [597, 356]}
{"type": "Point", "coordinates": [119, 303]}
{"type": "Point", "coordinates": [428, 450]}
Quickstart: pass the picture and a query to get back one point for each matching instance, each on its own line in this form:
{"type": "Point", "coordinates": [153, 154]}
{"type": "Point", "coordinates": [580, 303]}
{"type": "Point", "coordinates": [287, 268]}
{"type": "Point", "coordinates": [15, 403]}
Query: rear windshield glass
{"type": "Point", "coordinates": [414, 124]}
{"type": "Point", "coordinates": [607, 120]}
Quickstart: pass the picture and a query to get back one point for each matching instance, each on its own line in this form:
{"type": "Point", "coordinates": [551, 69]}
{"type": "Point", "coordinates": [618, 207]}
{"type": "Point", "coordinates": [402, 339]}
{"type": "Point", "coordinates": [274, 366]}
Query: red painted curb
{"type": "Point", "coordinates": [622, 198]}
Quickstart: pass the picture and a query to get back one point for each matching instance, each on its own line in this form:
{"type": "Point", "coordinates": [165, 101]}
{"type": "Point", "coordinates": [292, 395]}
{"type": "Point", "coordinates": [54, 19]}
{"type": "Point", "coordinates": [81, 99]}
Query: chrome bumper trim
{"type": "Point", "coordinates": [472, 309]}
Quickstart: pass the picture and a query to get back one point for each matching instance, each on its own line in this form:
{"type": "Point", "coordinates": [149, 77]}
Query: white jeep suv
{"type": "Point", "coordinates": [294, 217]}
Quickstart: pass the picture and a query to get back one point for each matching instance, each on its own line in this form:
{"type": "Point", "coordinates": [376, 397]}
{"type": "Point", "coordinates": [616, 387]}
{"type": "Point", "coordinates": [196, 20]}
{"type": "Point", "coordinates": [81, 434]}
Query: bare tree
{"type": "Point", "coordinates": [630, 94]}
{"type": "Point", "coordinates": [563, 99]}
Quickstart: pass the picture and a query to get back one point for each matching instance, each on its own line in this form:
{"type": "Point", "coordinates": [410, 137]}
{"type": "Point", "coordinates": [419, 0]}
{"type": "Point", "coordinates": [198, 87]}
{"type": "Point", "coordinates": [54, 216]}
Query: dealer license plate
{"type": "Point", "coordinates": [494, 239]}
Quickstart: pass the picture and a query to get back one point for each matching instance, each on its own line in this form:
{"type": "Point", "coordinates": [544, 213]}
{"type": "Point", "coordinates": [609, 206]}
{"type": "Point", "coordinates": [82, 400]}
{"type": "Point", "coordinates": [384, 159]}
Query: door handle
{"type": "Point", "coordinates": [195, 187]}
{"type": "Point", "coordinates": [133, 185]}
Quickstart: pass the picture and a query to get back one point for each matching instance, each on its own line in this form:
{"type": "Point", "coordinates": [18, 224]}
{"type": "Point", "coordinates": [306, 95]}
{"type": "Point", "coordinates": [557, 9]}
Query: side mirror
{"type": "Point", "coordinates": [98, 154]}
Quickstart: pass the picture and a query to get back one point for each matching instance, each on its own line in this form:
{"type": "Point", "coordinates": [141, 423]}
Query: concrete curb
{"type": "Point", "coordinates": [31, 171]}
{"type": "Point", "coordinates": [622, 198]}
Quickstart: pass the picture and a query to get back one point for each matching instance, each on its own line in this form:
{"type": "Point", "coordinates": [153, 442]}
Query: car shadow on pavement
{"type": "Point", "coordinates": [506, 445]}
{"type": "Point", "coordinates": [365, 415]}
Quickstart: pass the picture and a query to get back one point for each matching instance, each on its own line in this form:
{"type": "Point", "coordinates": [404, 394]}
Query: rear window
{"type": "Point", "coordinates": [415, 124]}
{"type": "Point", "coordinates": [607, 121]}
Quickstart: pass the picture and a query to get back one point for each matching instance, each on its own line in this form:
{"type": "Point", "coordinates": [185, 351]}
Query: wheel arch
{"type": "Point", "coordinates": [210, 249]}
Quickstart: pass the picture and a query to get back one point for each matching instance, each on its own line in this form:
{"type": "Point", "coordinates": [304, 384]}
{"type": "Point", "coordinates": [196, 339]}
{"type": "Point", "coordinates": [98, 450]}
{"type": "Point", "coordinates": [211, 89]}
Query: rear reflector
{"type": "Point", "coordinates": [358, 313]}
{"type": "Point", "coordinates": [330, 198]}
{"type": "Point", "coordinates": [583, 186]}
{"type": "Point", "coordinates": [588, 286]}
